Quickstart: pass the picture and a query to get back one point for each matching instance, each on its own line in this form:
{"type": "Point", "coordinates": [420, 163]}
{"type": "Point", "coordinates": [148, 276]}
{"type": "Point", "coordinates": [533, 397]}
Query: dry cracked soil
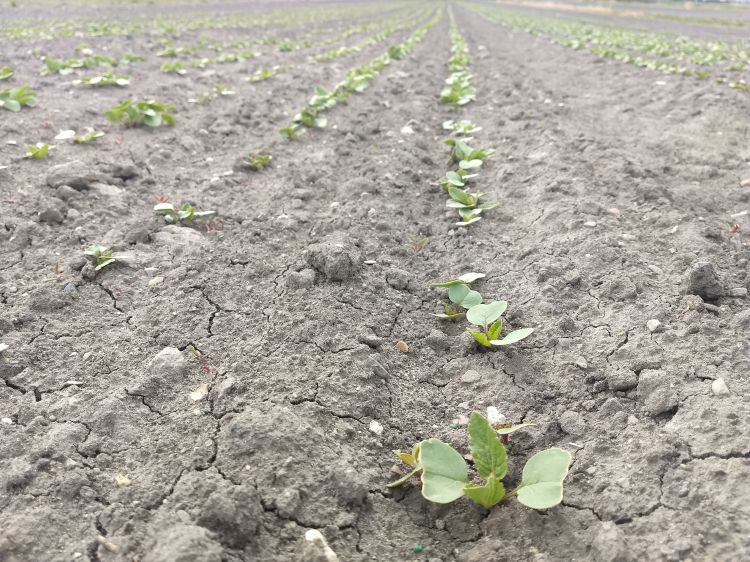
{"type": "Point", "coordinates": [233, 383]}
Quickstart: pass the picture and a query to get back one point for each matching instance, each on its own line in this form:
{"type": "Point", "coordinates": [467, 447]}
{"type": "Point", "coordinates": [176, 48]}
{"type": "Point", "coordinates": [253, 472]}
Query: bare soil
{"type": "Point", "coordinates": [612, 181]}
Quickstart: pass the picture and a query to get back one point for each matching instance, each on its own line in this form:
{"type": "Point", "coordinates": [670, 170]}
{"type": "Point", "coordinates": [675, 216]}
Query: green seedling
{"type": "Point", "coordinates": [174, 67]}
{"type": "Point", "coordinates": [102, 255]}
{"type": "Point", "coordinates": [445, 477]}
{"type": "Point", "coordinates": [171, 52]}
{"type": "Point", "coordinates": [107, 79]}
{"type": "Point", "coordinates": [6, 72]}
{"type": "Point", "coordinates": [291, 131]}
{"type": "Point", "coordinates": [137, 113]}
{"type": "Point", "coordinates": [15, 99]}
{"type": "Point", "coordinates": [460, 295]}
{"type": "Point", "coordinates": [263, 74]}
{"type": "Point", "coordinates": [462, 127]}
{"type": "Point", "coordinates": [469, 205]}
{"type": "Point", "coordinates": [458, 90]}
{"type": "Point", "coordinates": [487, 318]}
{"type": "Point", "coordinates": [129, 58]}
{"type": "Point", "coordinates": [220, 90]}
{"type": "Point", "coordinates": [37, 151]}
{"type": "Point", "coordinates": [89, 136]}
{"type": "Point", "coordinates": [457, 178]}
{"type": "Point", "coordinates": [461, 151]}
{"type": "Point", "coordinates": [256, 161]}
{"type": "Point", "coordinates": [184, 213]}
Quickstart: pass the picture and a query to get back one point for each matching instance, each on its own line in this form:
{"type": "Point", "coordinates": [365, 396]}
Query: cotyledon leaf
{"type": "Point", "coordinates": [444, 472]}
{"type": "Point", "coordinates": [541, 485]}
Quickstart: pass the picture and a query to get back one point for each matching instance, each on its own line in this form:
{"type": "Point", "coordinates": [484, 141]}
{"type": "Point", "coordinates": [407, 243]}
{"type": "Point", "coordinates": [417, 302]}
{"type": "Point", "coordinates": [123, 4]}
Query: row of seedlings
{"type": "Point", "coordinates": [443, 470]}
{"type": "Point", "coordinates": [357, 80]}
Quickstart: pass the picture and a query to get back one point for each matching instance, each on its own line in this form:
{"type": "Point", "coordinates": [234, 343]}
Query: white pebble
{"type": "Point", "coordinates": [653, 325]}
{"type": "Point", "coordinates": [719, 387]}
{"type": "Point", "coordinates": [376, 427]}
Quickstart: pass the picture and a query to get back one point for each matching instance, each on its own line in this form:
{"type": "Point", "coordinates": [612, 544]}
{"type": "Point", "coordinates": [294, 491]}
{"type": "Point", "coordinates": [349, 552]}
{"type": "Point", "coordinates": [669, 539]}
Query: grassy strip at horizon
{"type": "Point", "coordinates": [38, 28]}
{"type": "Point", "coordinates": [663, 52]}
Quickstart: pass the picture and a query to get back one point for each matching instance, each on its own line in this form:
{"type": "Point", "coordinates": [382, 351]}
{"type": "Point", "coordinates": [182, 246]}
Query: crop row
{"type": "Point", "coordinates": [161, 25]}
{"type": "Point", "coordinates": [356, 81]}
{"type": "Point", "coordinates": [661, 52]}
{"type": "Point", "coordinates": [442, 469]}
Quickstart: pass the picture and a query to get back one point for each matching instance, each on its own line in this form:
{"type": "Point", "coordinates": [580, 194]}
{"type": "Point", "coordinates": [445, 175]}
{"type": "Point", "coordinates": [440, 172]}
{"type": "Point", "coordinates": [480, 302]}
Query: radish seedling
{"type": "Point", "coordinates": [256, 161]}
{"type": "Point", "coordinates": [17, 98]}
{"type": "Point", "coordinates": [129, 58]}
{"type": "Point", "coordinates": [462, 127]}
{"type": "Point", "coordinates": [468, 204]}
{"type": "Point", "coordinates": [173, 67]}
{"type": "Point", "coordinates": [137, 113]}
{"type": "Point", "coordinates": [89, 136]}
{"type": "Point", "coordinates": [6, 72]}
{"type": "Point", "coordinates": [458, 90]}
{"type": "Point", "coordinates": [102, 255]}
{"type": "Point", "coordinates": [263, 74]}
{"type": "Point", "coordinates": [461, 151]}
{"type": "Point", "coordinates": [291, 131]}
{"type": "Point", "coordinates": [460, 294]}
{"type": "Point", "coordinates": [487, 318]}
{"type": "Point", "coordinates": [184, 213]}
{"type": "Point", "coordinates": [444, 474]}
{"type": "Point", "coordinates": [37, 151]}
{"type": "Point", "coordinates": [109, 78]}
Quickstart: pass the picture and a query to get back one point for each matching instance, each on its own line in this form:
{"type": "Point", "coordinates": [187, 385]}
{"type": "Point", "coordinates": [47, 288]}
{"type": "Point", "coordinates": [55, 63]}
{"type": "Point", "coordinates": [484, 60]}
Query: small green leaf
{"type": "Point", "coordinates": [541, 486]}
{"type": "Point", "coordinates": [461, 196]}
{"type": "Point", "coordinates": [483, 314]}
{"type": "Point", "coordinates": [493, 332]}
{"type": "Point", "coordinates": [470, 164]}
{"type": "Point", "coordinates": [481, 337]}
{"type": "Point", "coordinates": [488, 452]}
{"type": "Point", "coordinates": [444, 472]}
{"type": "Point", "coordinates": [488, 495]}
{"type": "Point", "coordinates": [513, 337]}
{"type": "Point", "coordinates": [463, 296]}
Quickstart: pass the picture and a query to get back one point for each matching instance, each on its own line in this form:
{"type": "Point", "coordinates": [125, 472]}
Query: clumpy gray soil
{"type": "Point", "coordinates": [212, 398]}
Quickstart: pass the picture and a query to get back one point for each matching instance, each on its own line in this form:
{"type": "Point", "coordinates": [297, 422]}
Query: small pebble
{"type": "Point", "coordinates": [590, 224]}
{"type": "Point", "coordinates": [470, 377]}
{"type": "Point", "coordinates": [738, 292]}
{"type": "Point", "coordinates": [719, 387]}
{"type": "Point", "coordinates": [155, 281]}
{"type": "Point", "coordinates": [6, 421]}
{"type": "Point", "coordinates": [3, 347]}
{"type": "Point", "coordinates": [581, 363]}
{"type": "Point", "coordinates": [402, 346]}
{"type": "Point", "coordinates": [653, 325]}
{"type": "Point", "coordinates": [376, 427]}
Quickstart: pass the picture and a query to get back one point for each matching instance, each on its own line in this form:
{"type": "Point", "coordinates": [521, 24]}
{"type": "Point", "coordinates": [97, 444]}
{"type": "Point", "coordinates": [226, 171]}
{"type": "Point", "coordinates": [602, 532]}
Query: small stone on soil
{"type": "Point", "coordinates": [470, 377]}
{"type": "Point", "coordinates": [376, 427]}
{"type": "Point", "coordinates": [719, 387]}
{"type": "Point", "coordinates": [701, 279]}
{"type": "Point", "coordinates": [402, 346]}
{"type": "Point", "coordinates": [653, 325]}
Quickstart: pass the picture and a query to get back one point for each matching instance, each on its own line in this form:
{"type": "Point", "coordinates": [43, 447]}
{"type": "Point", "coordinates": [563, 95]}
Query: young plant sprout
{"type": "Point", "coordinates": [137, 113]}
{"type": "Point", "coordinates": [129, 58]}
{"type": "Point", "coordinates": [462, 127]}
{"type": "Point", "coordinates": [256, 162]}
{"type": "Point", "coordinates": [102, 255]}
{"type": "Point", "coordinates": [445, 478]}
{"type": "Point", "coordinates": [487, 318]}
{"type": "Point", "coordinates": [460, 294]}
{"type": "Point", "coordinates": [291, 131]}
{"type": "Point", "coordinates": [173, 67]}
{"type": "Point", "coordinates": [461, 151]}
{"type": "Point", "coordinates": [184, 213]}
{"type": "Point", "coordinates": [458, 90]}
{"type": "Point", "coordinates": [107, 79]}
{"type": "Point", "coordinates": [263, 74]}
{"type": "Point", "coordinates": [468, 204]}
{"type": "Point", "coordinates": [89, 136]}
{"type": "Point", "coordinates": [15, 99]}
{"type": "Point", "coordinates": [6, 72]}
{"type": "Point", "coordinates": [37, 151]}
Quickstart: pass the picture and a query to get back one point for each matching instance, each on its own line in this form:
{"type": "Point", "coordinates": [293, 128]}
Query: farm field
{"type": "Point", "coordinates": [249, 250]}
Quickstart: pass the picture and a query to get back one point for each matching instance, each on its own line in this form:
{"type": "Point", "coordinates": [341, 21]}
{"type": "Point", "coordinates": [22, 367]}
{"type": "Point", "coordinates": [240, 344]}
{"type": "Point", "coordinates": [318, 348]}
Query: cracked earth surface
{"type": "Point", "coordinates": [283, 319]}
